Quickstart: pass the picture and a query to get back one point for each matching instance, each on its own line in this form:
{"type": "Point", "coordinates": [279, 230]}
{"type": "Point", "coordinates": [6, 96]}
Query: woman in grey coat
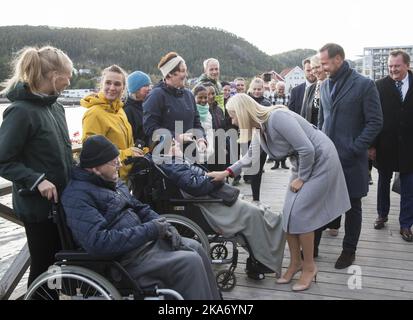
{"type": "Point", "coordinates": [317, 193]}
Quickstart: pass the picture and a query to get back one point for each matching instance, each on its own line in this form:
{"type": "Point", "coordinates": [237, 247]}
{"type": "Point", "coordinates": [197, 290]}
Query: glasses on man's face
{"type": "Point", "coordinates": [114, 163]}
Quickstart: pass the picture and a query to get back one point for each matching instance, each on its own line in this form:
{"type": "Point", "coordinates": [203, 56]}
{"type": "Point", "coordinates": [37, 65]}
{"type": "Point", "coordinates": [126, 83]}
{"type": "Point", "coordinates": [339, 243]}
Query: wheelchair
{"type": "Point", "coordinates": [151, 186]}
{"type": "Point", "coordinates": [76, 275]}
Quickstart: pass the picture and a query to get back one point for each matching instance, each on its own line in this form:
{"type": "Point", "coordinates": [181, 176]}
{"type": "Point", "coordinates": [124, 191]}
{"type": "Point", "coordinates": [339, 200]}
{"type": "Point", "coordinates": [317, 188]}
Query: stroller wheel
{"type": "Point", "coordinates": [219, 251]}
{"type": "Point", "coordinates": [226, 280]}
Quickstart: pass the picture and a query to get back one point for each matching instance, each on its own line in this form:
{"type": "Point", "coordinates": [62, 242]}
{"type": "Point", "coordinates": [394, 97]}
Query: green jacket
{"type": "Point", "coordinates": [34, 140]}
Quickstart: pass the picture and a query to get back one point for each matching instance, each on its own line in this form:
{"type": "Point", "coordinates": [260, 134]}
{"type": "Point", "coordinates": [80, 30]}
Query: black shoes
{"type": "Point", "coordinates": [406, 234]}
{"type": "Point", "coordinates": [345, 260]}
{"type": "Point", "coordinates": [277, 164]}
{"type": "Point", "coordinates": [379, 223]}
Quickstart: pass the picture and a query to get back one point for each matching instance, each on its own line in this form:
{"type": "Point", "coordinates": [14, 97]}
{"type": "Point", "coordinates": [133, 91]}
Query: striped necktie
{"type": "Point", "coordinates": [399, 85]}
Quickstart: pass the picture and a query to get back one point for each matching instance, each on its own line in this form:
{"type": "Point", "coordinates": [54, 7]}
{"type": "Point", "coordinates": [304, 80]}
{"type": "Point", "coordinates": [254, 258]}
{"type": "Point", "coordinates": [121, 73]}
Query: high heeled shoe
{"type": "Point", "coordinates": [302, 287]}
{"type": "Point", "coordinates": [283, 280]}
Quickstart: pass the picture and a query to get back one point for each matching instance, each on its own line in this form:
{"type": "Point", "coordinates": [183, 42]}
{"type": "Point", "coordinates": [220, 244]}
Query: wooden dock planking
{"type": "Point", "coordinates": [386, 261]}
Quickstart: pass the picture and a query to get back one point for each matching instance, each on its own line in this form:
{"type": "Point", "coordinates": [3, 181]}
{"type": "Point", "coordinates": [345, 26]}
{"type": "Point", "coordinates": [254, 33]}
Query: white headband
{"type": "Point", "coordinates": [170, 65]}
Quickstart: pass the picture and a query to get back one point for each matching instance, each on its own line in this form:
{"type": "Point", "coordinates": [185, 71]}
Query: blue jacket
{"type": "Point", "coordinates": [189, 178]}
{"type": "Point", "coordinates": [164, 105]}
{"type": "Point", "coordinates": [352, 121]}
{"type": "Point", "coordinates": [106, 220]}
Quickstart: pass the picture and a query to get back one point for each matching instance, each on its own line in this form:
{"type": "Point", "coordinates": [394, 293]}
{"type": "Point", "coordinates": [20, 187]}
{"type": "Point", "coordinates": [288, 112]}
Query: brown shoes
{"type": "Point", "coordinates": [379, 223]}
{"type": "Point", "coordinates": [407, 234]}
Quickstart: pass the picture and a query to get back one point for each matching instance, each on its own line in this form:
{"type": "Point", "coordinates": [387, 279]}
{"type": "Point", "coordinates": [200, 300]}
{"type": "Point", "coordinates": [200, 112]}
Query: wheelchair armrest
{"type": "Point", "coordinates": [195, 200]}
{"type": "Point", "coordinates": [72, 255]}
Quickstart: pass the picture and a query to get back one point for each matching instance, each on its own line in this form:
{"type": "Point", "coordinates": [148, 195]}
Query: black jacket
{"type": "Point", "coordinates": [296, 98]}
{"type": "Point", "coordinates": [33, 140]}
{"type": "Point", "coordinates": [394, 144]}
{"type": "Point", "coordinates": [164, 105]}
{"type": "Point", "coordinates": [262, 101]}
{"type": "Point", "coordinates": [134, 112]}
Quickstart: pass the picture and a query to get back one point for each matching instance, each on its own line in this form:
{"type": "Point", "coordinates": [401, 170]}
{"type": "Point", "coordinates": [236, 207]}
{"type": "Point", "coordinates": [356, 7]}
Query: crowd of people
{"type": "Point", "coordinates": [329, 128]}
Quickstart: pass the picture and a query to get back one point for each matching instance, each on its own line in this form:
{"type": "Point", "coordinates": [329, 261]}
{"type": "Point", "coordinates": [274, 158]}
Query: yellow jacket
{"type": "Point", "coordinates": [108, 119]}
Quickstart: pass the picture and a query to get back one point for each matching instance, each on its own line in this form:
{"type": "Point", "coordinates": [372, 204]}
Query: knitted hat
{"type": "Point", "coordinates": [137, 80]}
{"type": "Point", "coordinates": [97, 150]}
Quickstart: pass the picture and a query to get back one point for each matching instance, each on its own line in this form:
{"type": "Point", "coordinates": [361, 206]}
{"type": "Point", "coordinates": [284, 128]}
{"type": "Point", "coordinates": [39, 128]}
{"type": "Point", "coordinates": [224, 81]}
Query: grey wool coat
{"type": "Point", "coordinates": [352, 122]}
{"type": "Point", "coordinates": [314, 160]}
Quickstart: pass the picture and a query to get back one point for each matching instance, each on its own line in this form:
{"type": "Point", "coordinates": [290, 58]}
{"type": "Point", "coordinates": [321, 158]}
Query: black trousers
{"type": "Point", "coordinates": [256, 179]}
{"type": "Point", "coordinates": [44, 242]}
{"type": "Point", "coordinates": [353, 219]}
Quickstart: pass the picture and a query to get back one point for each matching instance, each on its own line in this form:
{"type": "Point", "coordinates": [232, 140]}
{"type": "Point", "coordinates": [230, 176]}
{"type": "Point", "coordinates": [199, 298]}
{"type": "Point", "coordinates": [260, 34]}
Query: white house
{"type": "Point", "coordinates": [293, 77]}
{"type": "Point", "coordinates": [76, 93]}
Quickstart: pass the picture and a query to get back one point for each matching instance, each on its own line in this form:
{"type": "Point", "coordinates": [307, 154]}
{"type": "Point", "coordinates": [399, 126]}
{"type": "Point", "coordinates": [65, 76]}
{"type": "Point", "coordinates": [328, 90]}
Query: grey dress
{"type": "Point", "coordinates": [314, 160]}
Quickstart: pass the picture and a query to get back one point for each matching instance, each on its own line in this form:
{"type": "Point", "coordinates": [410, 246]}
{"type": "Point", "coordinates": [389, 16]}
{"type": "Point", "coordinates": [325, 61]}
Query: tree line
{"type": "Point", "coordinates": [142, 49]}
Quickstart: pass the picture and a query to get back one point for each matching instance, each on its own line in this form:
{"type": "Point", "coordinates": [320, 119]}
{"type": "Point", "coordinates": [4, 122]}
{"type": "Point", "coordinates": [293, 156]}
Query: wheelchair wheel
{"type": "Point", "coordinates": [218, 252]}
{"type": "Point", "coordinates": [71, 283]}
{"type": "Point", "coordinates": [226, 280]}
{"type": "Point", "coordinates": [189, 229]}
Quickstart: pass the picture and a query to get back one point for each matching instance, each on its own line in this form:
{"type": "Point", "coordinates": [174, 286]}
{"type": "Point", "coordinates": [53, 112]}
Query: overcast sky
{"type": "Point", "coordinates": [274, 26]}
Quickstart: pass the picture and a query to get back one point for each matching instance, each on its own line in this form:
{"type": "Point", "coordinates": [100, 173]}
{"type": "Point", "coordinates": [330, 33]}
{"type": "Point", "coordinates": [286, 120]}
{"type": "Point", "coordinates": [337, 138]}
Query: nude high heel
{"type": "Point", "coordinates": [283, 280]}
{"type": "Point", "coordinates": [302, 287]}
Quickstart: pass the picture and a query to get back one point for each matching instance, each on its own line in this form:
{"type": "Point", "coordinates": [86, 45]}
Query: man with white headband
{"type": "Point", "coordinates": [172, 107]}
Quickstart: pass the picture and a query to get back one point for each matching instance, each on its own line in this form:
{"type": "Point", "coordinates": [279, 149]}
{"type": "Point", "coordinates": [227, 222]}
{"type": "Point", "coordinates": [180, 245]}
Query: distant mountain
{"type": "Point", "coordinates": [294, 57]}
{"type": "Point", "coordinates": [142, 48]}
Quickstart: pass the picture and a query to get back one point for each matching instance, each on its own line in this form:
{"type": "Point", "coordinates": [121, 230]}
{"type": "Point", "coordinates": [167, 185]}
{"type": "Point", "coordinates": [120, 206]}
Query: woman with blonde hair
{"type": "Point", "coordinates": [105, 115]}
{"type": "Point", "coordinates": [35, 148]}
{"type": "Point", "coordinates": [317, 192]}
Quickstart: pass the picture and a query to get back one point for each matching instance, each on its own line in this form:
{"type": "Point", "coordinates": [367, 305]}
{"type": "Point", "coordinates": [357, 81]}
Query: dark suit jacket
{"type": "Point", "coordinates": [394, 144]}
{"type": "Point", "coordinates": [352, 122]}
{"type": "Point", "coordinates": [296, 98]}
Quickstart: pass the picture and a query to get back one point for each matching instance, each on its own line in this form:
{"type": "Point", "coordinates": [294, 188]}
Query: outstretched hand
{"type": "Point", "coordinates": [218, 176]}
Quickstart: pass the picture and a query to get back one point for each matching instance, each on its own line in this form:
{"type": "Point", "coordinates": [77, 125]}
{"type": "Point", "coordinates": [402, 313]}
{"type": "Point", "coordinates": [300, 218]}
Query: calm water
{"type": "Point", "coordinates": [73, 117]}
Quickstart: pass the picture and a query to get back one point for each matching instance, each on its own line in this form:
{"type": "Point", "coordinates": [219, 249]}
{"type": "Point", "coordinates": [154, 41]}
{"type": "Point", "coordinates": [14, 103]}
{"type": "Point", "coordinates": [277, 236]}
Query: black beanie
{"type": "Point", "coordinates": [97, 150]}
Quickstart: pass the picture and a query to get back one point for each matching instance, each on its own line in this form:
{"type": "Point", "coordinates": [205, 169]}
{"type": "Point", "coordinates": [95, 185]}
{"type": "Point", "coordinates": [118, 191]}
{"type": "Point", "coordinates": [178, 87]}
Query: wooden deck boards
{"type": "Point", "coordinates": [386, 261]}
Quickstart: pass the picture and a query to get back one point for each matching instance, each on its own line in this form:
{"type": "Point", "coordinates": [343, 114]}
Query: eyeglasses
{"type": "Point", "coordinates": [114, 163]}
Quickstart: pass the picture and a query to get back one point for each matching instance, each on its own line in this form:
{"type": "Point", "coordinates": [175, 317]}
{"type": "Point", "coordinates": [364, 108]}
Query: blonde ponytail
{"type": "Point", "coordinates": [32, 66]}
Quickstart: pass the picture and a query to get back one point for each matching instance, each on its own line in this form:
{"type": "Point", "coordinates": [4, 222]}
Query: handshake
{"type": "Point", "coordinates": [167, 231]}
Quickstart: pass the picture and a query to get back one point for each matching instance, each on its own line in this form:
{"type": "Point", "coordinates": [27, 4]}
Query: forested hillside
{"type": "Point", "coordinates": [142, 48]}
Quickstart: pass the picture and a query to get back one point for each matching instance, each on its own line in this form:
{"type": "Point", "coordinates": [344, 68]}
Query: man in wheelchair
{"type": "Point", "coordinates": [261, 227]}
{"type": "Point", "coordinates": [108, 222]}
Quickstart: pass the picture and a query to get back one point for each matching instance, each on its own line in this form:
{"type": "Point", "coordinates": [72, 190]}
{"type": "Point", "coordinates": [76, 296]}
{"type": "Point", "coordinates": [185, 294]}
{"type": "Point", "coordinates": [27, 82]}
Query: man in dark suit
{"type": "Point", "coordinates": [393, 148]}
{"type": "Point", "coordinates": [297, 93]}
{"type": "Point", "coordinates": [351, 116]}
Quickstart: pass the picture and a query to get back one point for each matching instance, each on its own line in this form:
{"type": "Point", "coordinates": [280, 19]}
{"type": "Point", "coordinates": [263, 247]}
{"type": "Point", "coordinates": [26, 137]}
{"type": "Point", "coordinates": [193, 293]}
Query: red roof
{"type": "Point", "coordinates": [285, 72]}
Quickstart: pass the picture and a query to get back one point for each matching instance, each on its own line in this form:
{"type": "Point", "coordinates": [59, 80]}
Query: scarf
{"type": "Point", "coordinates": [203, 111]}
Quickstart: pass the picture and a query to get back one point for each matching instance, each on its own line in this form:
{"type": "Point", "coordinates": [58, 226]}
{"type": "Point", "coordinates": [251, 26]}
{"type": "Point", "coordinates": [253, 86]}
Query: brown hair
{"type": "Point", "coordinates": [166, 58]}
{"type": "Point", "coordinates": [333, 49]}
{"type": "Point", "coordinates": [404, 54]}
{"type": "Point", "coordinates": [32, 65]}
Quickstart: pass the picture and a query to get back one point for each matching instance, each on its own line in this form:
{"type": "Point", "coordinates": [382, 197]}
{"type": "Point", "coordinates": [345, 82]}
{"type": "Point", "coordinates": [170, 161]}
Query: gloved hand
{"type": "Point", "coordinates": [162, 226]}
{"type": "Point", "coordinates": [174, 236]}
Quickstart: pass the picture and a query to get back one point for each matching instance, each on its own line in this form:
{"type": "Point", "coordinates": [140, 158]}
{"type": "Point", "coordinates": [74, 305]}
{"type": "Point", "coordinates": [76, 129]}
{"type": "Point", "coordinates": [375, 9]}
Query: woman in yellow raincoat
{"type": "Point", "coordinates": [105, 115]}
